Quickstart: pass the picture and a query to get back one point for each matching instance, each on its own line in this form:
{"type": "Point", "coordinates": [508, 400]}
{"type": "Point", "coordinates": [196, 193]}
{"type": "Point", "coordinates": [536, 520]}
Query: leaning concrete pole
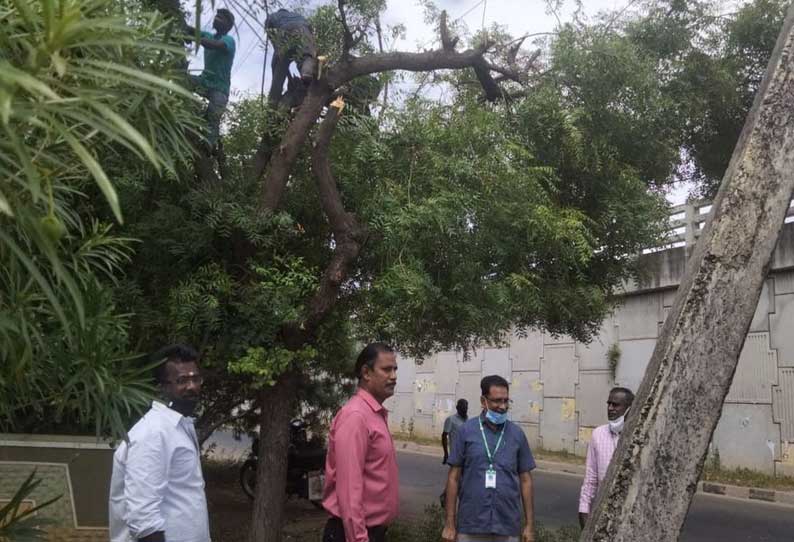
{"type": "Point", "coordinates": [646, 494]}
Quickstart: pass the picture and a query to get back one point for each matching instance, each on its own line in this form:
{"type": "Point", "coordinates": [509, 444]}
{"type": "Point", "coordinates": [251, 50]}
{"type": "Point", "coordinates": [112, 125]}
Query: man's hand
{"type": "Point", "coordinates": [444, 461]}
{"type": "Point", "coordinates": [528, 535]}
{"type": "Point", "coordinates": [449, 534]}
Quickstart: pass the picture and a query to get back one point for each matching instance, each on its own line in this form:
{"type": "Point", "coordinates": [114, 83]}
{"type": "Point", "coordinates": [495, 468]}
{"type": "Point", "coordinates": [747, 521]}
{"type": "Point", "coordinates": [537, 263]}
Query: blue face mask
{"type": "Point", "coordinates": [496, 418]}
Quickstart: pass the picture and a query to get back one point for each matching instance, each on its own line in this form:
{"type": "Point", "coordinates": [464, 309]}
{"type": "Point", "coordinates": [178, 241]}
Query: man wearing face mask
{"type": "Point", "coordinates": [157, 488]}
{"type": "Point", "coordinates": [490, 470]}
{"type": "Point", "coordinates": [602, 445]}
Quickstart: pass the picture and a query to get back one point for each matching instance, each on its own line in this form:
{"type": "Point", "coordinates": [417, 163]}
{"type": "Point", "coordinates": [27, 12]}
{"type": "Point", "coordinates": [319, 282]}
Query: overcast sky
{"type": "Point", "coordinates": [519, 16]}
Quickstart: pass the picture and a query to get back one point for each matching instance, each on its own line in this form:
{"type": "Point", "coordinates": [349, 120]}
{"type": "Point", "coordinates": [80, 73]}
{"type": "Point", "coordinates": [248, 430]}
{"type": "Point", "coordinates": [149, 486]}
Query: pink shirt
{"type": "Point", "coordinates": [361, 485]}
{"type": "Point", "coordinates": [599, 454]}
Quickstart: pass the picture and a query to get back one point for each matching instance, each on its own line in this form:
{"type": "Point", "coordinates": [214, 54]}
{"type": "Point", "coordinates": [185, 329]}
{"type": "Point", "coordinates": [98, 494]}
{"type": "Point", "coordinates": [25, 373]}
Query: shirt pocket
{"type": "Point", "coordinates": [184, 463]}
{"type": "Point", "coordinates": [507, 457]}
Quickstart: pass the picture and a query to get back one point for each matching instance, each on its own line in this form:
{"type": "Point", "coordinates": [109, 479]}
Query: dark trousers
{"type": "Point", "coordinates": [335, 532]}
{"type": "Point", "coordinates": [291, 45]}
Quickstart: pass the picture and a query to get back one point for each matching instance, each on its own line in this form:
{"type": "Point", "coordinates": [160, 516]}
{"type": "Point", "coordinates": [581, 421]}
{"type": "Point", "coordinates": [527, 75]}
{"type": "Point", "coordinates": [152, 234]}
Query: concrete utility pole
{"type": "Point", "coordinates": [655, 470]}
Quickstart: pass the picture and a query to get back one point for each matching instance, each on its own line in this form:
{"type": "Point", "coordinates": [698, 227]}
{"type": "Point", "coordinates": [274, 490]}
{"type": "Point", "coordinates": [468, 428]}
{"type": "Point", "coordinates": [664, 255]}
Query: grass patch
{"type": "Point", "coordinates": [560, 457]}
{"type": "Point", "coordinates": [428, 529]}
{"type": "Point", "coordinates": [747, 478]}
{"type": "Point", "coordinates": [416, 439]}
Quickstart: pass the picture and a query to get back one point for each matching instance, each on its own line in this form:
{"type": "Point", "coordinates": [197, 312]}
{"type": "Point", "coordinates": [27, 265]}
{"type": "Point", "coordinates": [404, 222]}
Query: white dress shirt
{"type": "Point", "coordinates": [157, 483]}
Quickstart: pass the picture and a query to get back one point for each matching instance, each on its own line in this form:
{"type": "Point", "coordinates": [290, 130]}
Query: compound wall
{"type": "Point", "coordinates": [559, 386]}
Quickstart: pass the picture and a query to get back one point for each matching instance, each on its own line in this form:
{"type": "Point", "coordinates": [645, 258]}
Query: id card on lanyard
{"type": "Point", "coordinates": [490, 473]}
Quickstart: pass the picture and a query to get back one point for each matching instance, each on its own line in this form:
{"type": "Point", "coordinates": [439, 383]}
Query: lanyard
{"type": "Point", "coordinates": [498, 442]}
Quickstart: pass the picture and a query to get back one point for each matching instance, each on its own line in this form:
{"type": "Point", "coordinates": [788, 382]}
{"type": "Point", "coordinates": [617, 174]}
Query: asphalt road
{"type": "Point", "coordinates": [711, 518]}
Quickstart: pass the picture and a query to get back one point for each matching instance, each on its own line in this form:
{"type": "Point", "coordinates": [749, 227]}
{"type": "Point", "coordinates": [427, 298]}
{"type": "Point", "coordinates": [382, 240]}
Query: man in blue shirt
{"type": "Point", "coordinates": [215, 80]}
{"type": "Point", "coordinates": [490, 470]}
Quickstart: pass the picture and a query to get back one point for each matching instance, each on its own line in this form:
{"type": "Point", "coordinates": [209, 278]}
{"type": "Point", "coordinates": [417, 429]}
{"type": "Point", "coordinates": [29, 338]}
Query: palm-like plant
{"type": "Point", "coordinates": [20, 524]}
{"type": "Point", "coordinates": [85, 91]}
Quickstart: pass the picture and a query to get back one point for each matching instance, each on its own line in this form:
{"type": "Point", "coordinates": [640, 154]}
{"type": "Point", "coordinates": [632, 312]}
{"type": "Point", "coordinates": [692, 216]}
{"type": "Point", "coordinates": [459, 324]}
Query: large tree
{"type": "Point", "coordinates": [433, 224]}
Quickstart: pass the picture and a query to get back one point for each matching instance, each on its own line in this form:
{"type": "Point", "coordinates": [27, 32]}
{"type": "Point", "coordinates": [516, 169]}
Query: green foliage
{"type": "Point", "coordinates": [267, 365]}
{"type": "Point", "coordinates": [84, 87]}
{"type": "Point", "coordinates": [19, 524]}
{"type": "Point", "coordinates": [426, 529]}
{"type": "Point", "coordinates": [613, 358]}
{"type": "Point", "coordinates": [711, 65]}
{"type": "Point", "coordinates": [481, 223]}
{"type": "Point", "coordinates": [429, 526]}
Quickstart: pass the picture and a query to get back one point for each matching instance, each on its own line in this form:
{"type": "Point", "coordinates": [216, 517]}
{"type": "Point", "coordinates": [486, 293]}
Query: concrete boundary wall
{"type": "Point", "coordinates": [559, 386]}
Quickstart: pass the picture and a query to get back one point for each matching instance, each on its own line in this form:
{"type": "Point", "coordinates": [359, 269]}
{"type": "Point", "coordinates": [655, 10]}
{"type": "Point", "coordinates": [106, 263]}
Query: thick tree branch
{"type": "Point", "coordinates": [512, 53]}
{"type": "Point", "coordinates": [349, 236]}
{"type": "Point", "coordinates": [447, 42]}
{"type": "Point", "coordinates": [438, 59]}
{"type": "Point", "coordinates": [282, 158]}
{"type": "Point", "coordinates": [491, 88]}
{"type": "Point", "coordinates": [511, 74]}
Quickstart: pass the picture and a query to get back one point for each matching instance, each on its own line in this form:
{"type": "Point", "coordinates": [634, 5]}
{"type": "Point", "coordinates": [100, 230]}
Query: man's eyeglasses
{"type": "Point", "coordinates": [198, 380]}
{"type": "Point", "coordinates": [504, 402]}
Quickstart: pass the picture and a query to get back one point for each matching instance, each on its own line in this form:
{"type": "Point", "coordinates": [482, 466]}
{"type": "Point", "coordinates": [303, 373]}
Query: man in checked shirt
{"type": "Point", "coordinates": [602, 446]}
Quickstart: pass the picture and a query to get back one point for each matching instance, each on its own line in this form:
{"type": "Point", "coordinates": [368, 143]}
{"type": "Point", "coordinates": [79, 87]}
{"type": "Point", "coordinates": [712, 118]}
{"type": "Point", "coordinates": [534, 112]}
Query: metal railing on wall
{"type": "Point", "coordinates": [686, 222]}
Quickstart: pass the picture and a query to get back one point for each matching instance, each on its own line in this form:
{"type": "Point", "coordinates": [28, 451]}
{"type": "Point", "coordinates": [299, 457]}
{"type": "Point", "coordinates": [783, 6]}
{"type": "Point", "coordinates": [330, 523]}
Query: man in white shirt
{"type": "Point", "coordinates": [603, 443]}
{"type": "Point", "coordinates": [157, 488]}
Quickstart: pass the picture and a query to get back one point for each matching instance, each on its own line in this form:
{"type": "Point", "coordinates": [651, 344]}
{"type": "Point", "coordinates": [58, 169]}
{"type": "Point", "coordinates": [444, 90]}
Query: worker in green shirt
{"type": "Point", "coordinates": [215, 80]}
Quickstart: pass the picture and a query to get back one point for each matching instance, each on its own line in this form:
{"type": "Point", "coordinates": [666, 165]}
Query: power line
{"type": "Point", "coordinates": [475, 6]}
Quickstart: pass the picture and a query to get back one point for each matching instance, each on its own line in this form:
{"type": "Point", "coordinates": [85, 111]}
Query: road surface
{"type": "Point", "coordinates": [711, 518]}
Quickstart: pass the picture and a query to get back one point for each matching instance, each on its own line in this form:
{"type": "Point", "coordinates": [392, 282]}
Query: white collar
{"type": "Point", "coordinates": [169, 413]}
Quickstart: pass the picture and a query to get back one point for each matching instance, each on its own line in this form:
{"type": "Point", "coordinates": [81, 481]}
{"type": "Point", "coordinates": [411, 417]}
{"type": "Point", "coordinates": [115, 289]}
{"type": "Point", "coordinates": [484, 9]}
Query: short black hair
{"type": "Point", "coordinates": [492, 381]}
{"type": "Point", "coordinates": [462, 402]}
{"type": "Point", "coordinates": [369, 354]}
{"type": "Point", "coordinates": [228, 15]}
{"type": "Point", "coordinates": [625, 391]}
{"type": "Point", "coordinates": [177, 353]}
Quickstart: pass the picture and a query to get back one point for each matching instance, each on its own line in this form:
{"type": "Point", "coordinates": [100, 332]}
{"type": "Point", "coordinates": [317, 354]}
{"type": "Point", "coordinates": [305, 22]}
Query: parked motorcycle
{"type": "Point", "coordinates": [305, 466]}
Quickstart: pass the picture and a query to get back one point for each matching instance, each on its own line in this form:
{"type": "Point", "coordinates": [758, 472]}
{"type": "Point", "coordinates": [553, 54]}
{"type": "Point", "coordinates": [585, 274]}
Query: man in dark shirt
{"type": "Point", "coordinates": [490, 470]}
{"type": "Point", "coordinates": [451, 426]}
{"type": "Point", "coordinates": [293, 41]}
{"type": "Point", "coordinates": [215, 80]}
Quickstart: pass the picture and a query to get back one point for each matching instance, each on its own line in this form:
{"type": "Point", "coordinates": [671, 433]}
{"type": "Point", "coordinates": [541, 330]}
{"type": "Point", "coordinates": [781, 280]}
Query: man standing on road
{"type": "Point", "coordinates": [361, 485]}
{"type": "Point", "coordinates": [157, 488]}
{"type": "Point", "coordinates": [215, 80]}
{"type": "Point", "coordinates": [490, 470]}
{"type": "Point", "coordinates": [602, 445]}
{"type": "Point", "coordinates": [451, 426]}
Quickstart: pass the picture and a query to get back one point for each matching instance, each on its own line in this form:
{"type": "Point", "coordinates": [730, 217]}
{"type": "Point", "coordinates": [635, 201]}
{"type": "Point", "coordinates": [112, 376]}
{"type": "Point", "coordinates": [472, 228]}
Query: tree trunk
{"type": "Point", "coordinates": [277, 407]}
{"type": "Point", "coordinates": [655, 470]}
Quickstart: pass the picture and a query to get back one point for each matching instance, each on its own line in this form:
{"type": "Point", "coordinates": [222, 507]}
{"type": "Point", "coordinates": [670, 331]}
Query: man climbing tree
{"type": "Point", "coordinates": [215, 80]}
{"type": "Point", "coordinates": [293, 41]}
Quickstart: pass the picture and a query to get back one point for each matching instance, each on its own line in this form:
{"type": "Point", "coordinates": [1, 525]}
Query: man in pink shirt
{"type": "Point", "coordinates": [361, 485]}
{"type": "Point", "coordinates": [602, 446]}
